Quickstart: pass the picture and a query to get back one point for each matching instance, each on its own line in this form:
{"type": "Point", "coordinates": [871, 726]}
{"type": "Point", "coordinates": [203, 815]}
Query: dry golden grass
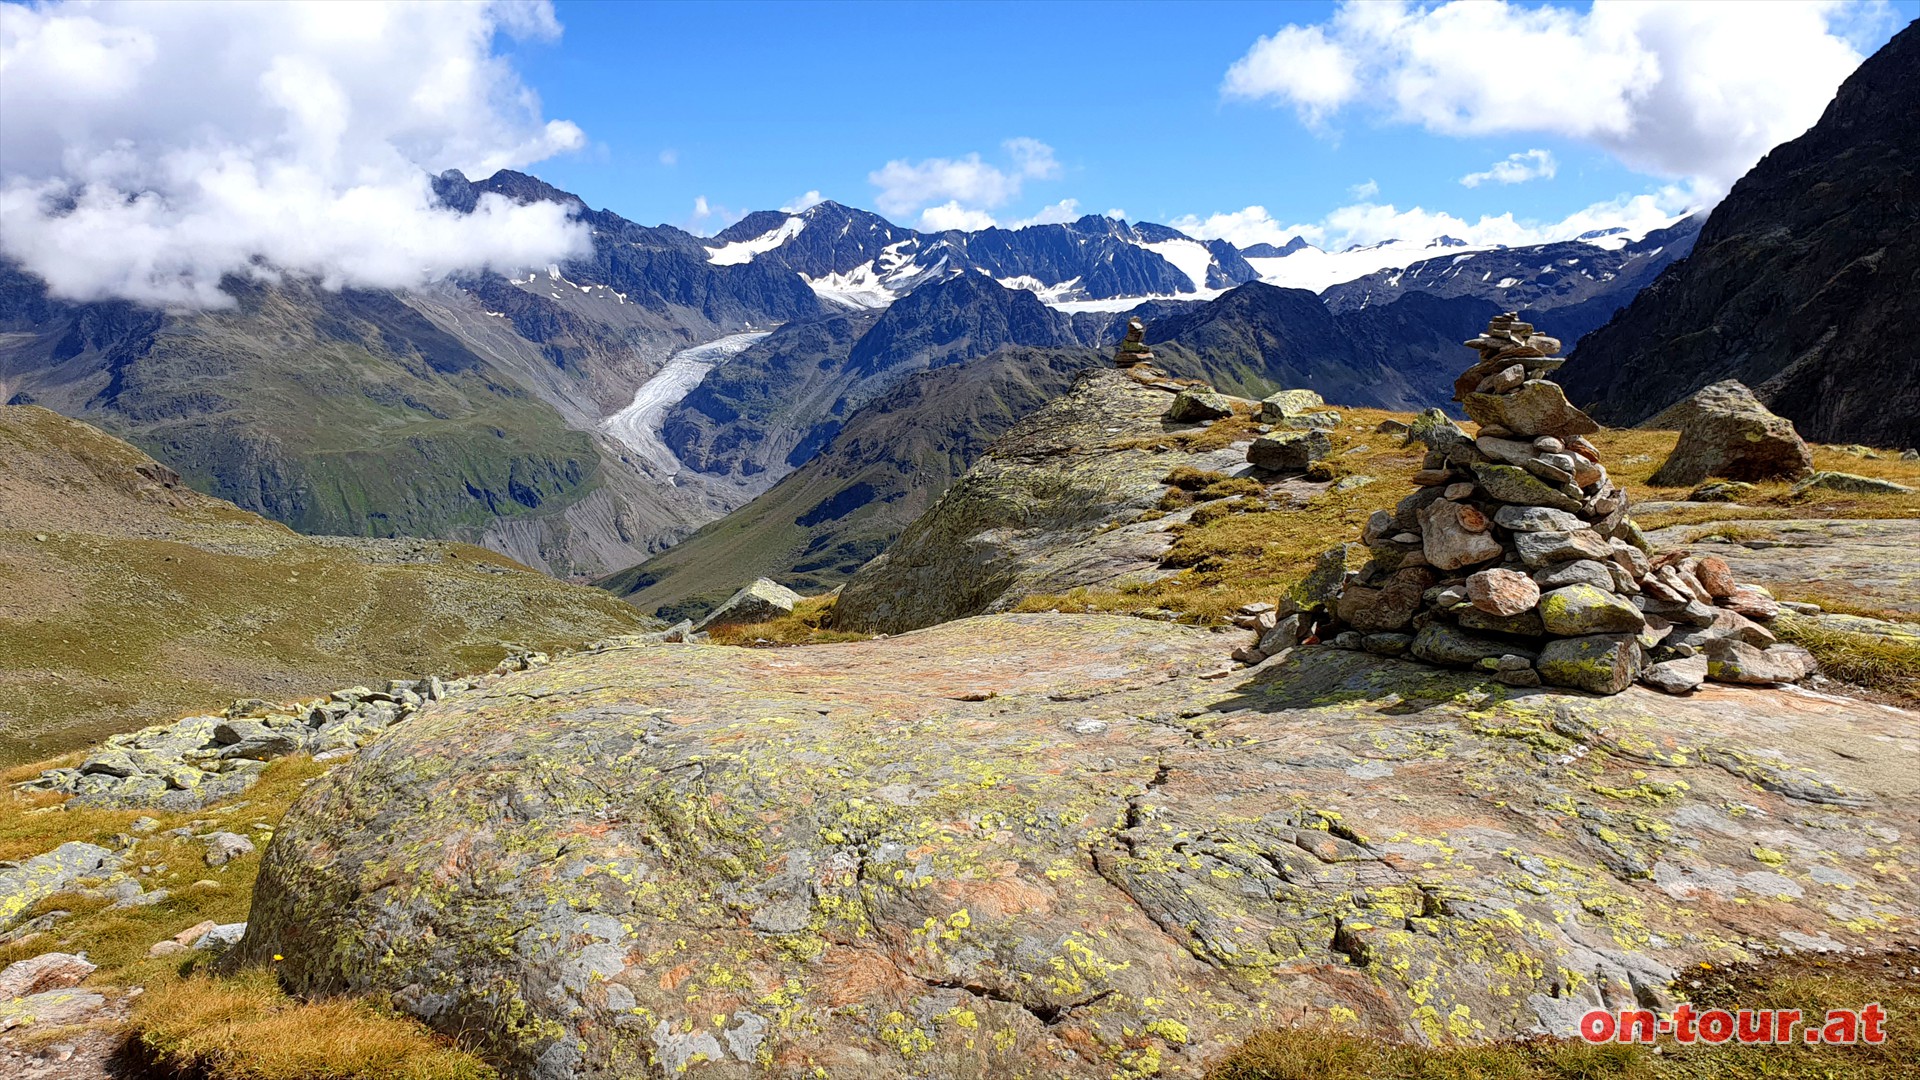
{"type": "Point", "coordinates": [245, 1028]}
{"type": "Point", "coordinates": [1885, 665]}
{"type": "Point", "coordinates": [1249, 550]}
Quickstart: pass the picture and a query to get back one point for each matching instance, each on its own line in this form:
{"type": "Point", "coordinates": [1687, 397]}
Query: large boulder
{"type": "Point", "coordinates": [762, 600]}
{"type": "Point", "coordinates": [997, 848]}
{"type": "Point", "coordinates": [1726, 432]}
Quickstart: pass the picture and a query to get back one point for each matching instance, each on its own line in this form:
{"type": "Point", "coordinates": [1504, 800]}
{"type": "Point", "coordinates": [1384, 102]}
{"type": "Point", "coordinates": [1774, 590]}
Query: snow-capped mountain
{"type": "Point", "coordinates": [858, 259]}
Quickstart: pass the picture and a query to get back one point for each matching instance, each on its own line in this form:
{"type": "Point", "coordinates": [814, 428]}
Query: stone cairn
{"type": "Point", "coordinates": [1516, 556]}
{"type": "Point", "coordinates": [1133, 351]}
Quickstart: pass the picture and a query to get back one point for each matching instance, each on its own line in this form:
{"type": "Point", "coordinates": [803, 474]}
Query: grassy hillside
{"type": "Point", "coordinates": [126, 597]}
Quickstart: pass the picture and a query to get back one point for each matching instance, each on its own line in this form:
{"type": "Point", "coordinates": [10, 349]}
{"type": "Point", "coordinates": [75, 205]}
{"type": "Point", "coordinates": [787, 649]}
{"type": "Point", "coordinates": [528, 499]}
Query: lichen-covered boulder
{"type": "Point", "coordinates": [1051, 846]}
{"type": "Point", "coordinates": [1289, 451]}
{"type": "Point", "coordinates": [1726, 432]}
{"type": "Point", "coordinates": [1198, 404]}
{"type": "Point", "coordinates": [762, 600]}
{"type": "Point", "coordinates": [1288, 404]}
{"type": "Point", "coordinates": [1599, 663]}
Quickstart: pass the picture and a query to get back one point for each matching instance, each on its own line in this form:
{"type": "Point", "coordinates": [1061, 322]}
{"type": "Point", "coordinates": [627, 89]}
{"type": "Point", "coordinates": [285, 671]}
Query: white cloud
{"type": "Point", "coordinates": [1117, 214]}
{"type": "Point", "coordinates": [908, 186]}
{"type": "Point", "coordinates": [1300, 64]}
{"type": "Point", "coordinates": [810, 199]}
{"type": "Point", "coordinates": [951, 215]}
{"type": "Point", "coordinates": [1059, 213]}
{"type": "Point", "coordinates": [1686, 90]}
{"type": "Point", "coordinates": [1364, 191]}
{"type": "Point", "coordinates": [149, 149]}
{"type": "Point", "coordinates": [669, 157]}
{"type": "Point", "coordinates": [1516, 169]}
{"type": "Point", "coordinates": [1365, 223]}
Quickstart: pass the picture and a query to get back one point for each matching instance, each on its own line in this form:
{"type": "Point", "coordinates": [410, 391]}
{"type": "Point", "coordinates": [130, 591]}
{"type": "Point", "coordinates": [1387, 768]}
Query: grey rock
{"type": "Point", "coordinates": [1438, 643]}
{"type": "Point", "coordinates": [1850, 484]}
{"type": "Point", "coordinates": [35, 879]}
{"type": "Point", "coordinates": [1540, 549]}
{"type": "Point", "coordinates": [1281, 406]}
{"type": "Point", "coordinates": [1194, 405]}
{"type": "Point", "coordinates": [1682, 676]}
{"type": "Point", "coordinates": [1579, 610]}
{"type": "Point", "coordinates": [1577, 572]}
{"type": "Point", "coordinates": [764, 599]}
{"type": "Point", "coordinates": [1536, 519]}
{"type": "Point", "coordinates": [224, 847]}
{"type": "Point", "coordinates": [1290, 451]}
{"type": "Point", "coordinates": [1598, 663]}
{"type": "Point", "coordinates": [1730, 660]}
{"type": "Point", "coordinates": [1726, 432]}
{"type": "Point", "coordinates": [1510, 484]}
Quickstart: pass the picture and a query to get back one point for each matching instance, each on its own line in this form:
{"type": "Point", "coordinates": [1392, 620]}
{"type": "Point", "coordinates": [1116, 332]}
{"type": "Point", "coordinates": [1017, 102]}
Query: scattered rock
{"type": "Point", "coordinates": [1731, 660]}
{"type": "Point", "coordinates": [224, 847]}
{"type": "Point", "coordinates": [1195, 405]}
{"type": "Point", "coordinates": [1850, 484]}
{"type": "Point", "coordinates": [1681, 676]}
{"type": "Point", "coordinates": [1289, 451]}
{"type": "Point", "coordinates": [48, 971]}
{"type": "Point", "coordinates": [1288, 404]}
{"type": "Point", "coordinates": [26, 884]}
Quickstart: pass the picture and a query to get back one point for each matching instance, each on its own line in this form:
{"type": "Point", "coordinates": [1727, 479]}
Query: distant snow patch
{"type": "Point", "coordinates": [1190, 257]}
{"type": "Point", "coordinates": [744, 251]}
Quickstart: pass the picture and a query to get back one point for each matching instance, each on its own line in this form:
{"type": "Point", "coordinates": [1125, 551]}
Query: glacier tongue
{"type": "Point", "coordinates": [638, 425]}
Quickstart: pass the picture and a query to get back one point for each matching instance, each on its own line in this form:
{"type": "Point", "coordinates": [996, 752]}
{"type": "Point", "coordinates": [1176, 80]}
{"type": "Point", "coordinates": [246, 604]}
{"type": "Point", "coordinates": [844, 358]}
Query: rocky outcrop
{"type": "Point", "coordinates": [1047, 845]}
{"type": "Point", "coordinates": [1801, 284]}
{"type": "Point", "coordinates": [1726, 432]}
{"type": "Point", "coordinates": [1054, 505]}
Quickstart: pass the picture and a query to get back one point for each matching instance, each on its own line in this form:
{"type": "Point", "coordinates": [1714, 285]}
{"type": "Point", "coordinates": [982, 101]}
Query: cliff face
{"type": "Point", "coordinates": [1804, 284]}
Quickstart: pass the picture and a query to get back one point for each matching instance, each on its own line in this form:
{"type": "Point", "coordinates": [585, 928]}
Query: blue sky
{"type": "Point", "coordinates": [755, 104]}
{"type": "Point", "coordinates": [150, 149]}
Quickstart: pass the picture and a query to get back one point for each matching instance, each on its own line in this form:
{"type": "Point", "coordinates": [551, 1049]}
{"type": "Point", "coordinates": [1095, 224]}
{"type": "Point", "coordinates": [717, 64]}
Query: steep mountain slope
{"type": "Point", "coordinates": [774, 406]}
{"type": "Point", "coordinates": [844, 506]}
{"type": "Point", "coordinates": [1804, 283]}
{"type": "Point", "coordinates": [127, 597]}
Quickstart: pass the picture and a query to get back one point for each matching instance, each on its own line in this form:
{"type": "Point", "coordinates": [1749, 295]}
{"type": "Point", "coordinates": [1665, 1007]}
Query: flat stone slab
{"type": "Point", "coordinates": [1044, 844]}
{"type": "Point", "coordinates": [1875, 562]}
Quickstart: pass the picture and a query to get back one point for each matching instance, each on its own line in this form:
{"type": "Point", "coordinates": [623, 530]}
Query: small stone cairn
{"type": "Point", "coordinates": [1133, 351]}
{"type": "Point", "coordinates": [1516, 556]}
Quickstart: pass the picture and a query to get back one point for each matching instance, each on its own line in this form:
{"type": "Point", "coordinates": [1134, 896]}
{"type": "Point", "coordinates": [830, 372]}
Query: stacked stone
{"type": "Point", "coordinates": [1133, 351]}
{"type": "Point", "coordinates": [1517, 555]}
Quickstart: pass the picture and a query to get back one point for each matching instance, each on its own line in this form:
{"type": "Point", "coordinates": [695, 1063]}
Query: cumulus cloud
{"type": "Point", "coordinates": [1300, 64]}
{"type": "Point", "coordinates": [951, 215]}
{"type": "Point", "coordinates": [810, 199]}
{"type": "Point", "coordinates": [1697, 91]}
{"type": "Point", "coordinates": [905, 186]}
{"type": "Point", "coordinates": [150, 149]}
{"type": "Point", "coordinates": [1365, 223]}
{"type": "Point", "coordinates": [1515, 169]}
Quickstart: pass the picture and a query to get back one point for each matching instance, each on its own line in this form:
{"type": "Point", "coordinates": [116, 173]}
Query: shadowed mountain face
{"type": "Point", "coordinates": [1804, 284]}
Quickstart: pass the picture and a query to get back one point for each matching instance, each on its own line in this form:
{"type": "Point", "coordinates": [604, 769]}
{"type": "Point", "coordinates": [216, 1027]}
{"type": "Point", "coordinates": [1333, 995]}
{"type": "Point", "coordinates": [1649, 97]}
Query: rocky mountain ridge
{"type": "Point", "coordinates": [1802, 283]}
